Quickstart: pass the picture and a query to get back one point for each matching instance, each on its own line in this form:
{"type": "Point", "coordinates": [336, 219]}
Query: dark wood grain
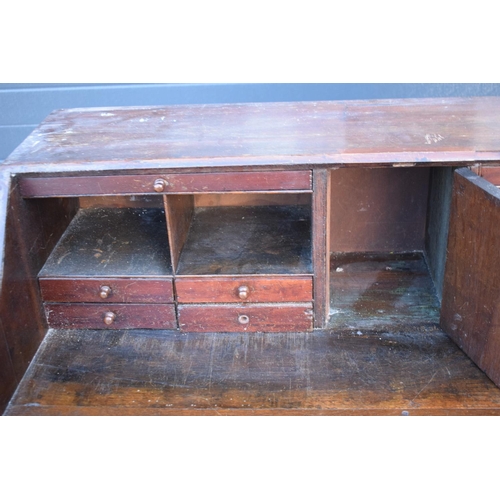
{"type": "Point", "coordinates": [128, 316]}
{"type": "Point", "coordinates": [258, 318]}
{"type": "Point", "coordinates": [111, 242]}
{"type": "Point", "coordinates": [152, 290]}
{"type": "Point", "coordinates": [319, 373]}
{"type": "Point", "coordinates": [179, 211]}
{"type": "Point", "coordinates": [31, 228]}
{"type": "Point", "coordinates": [470, 311]}
{"type": "Point", "coordinates": [260, 289]}
{"type": "Point", "coordinates": [32, 187]}
{"type": "Point", "coordinates": [248, 240]}
{"type": "Point", "coordinates": [378, 210]}
{"type": "Point", "coordinates": [321, 246]}
{"type": "Point", "coordinates": [404, 130]}
{"type": "Point", "coordinates": [379, 291]}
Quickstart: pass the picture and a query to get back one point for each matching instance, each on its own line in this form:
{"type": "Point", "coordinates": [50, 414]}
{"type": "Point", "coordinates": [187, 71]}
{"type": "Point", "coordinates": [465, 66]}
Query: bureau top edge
{"type": "Point", "coordinates": [253, 134]}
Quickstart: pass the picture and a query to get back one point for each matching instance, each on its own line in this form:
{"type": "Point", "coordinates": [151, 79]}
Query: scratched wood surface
{"type": "Point", "coordinates": [321, 373]}
{"type": "Point", "coordinates": [112, 242]}
{"type": "Point", "coordinates": [380, 291]}
{"type": "Point", "coordinates": [301, 133]}
{"type": "Point", "coordinates": [248, 240]}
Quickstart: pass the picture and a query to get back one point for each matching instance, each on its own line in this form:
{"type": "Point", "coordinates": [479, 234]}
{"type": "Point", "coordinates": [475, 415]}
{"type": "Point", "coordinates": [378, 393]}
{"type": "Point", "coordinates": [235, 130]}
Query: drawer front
{"type": "Point", "coordinates": [111, 316]}
{"type": "Point", "coordinates": [157, 291]}
{"type": "Point", "coordinates": [166, 183]}
{"type": "Point", "coordinates": [244, 289]}
{"type": "Point", "coordinates": [252, 318]}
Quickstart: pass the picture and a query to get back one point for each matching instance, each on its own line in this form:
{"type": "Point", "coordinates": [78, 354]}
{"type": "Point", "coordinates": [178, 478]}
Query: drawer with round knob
{"type": "Point", "coordinates": [296, 317]}
{"type": "Point", "coordinates": [252, 289]}
{"type": "Point", "coordinates": [111, 316]}
{"type": "Point", "coordinates": [126, 290]}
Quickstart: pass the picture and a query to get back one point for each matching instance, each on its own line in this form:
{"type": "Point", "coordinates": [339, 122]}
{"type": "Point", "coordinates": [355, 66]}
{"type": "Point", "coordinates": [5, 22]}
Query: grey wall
{"type": "Point", "coordinates": [24, 106]}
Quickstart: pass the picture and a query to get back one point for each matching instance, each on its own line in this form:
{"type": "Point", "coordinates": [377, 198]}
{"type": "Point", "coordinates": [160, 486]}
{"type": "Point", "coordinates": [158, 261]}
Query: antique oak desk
{"type": "Point", "coordinates": [311, 257]}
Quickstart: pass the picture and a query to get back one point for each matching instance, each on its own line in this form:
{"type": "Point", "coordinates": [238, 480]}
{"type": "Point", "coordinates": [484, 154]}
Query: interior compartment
{"type": "Point", "coordinates": [228, 234]}
{"type": "Point", "coordinates": [388, 236]}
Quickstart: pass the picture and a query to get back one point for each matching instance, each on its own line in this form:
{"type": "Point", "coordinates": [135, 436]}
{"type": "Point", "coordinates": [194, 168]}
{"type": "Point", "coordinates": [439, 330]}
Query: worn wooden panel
{"type": "Point", "coordinates": [127, 316]}
{"type": "Point", "coordinates": [150, 290]}
{"type": "Point", "coordinates": [153, 201]}
{"type": "Point", "coordinates": [112, 242]}
{"type": "Point", "coordinates": [32, 228]}
{"type": "Point", "coordinates": [179, 211]}
{"type": "Point", "coordinates": [382, 291]}
{"type": "Point", "coordinates": [470, 311]}
{"type": "Point", "coordinates": [250, 199]}
{"type": "Point", "coordinates": [378, 210]}
{"type": "Point", "coordinates": [173, 183]}
{"type": "Point", "coordinates": [317, 373]}
{"type": "Point", "coordinates": [257, 289]}
{"type": "Point", "coordinates": [246, 318]}
{"type": "Point", "coordinates": [248, 240]}
{"type": "Point", "coordinates": [321, 246]}
{"type": "Point", "coordinates": [438, 219]}
{"type": "Point", "coordinates": [305, 133]}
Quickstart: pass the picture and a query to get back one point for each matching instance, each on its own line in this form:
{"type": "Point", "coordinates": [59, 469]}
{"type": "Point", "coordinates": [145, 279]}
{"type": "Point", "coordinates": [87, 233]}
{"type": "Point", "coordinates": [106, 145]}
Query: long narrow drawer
{"type": "Point", "coordinates": [251, 318]}
{"type": "Point", "coordinates": [127, 290]}
{"type": "Point", "coordinates": [298, 180]}
{"type": "Point", "coordinates": [114, 316]}
{"type": "Point", "coordinates": [244, 289]}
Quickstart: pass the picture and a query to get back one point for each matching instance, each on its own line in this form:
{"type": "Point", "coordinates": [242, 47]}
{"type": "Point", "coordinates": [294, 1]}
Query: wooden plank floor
{"type": "Point", "coordinates": [321, 373]}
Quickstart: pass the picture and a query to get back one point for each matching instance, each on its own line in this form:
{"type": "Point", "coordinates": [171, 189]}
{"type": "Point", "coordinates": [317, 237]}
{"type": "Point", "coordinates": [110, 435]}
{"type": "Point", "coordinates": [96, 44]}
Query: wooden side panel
{"type": "Point", "coordinates": [173, 183]}
{"type": "Point", "coordinates": [155, 291]}
{"type": "Point", "coordinates": [255, 289]}
{"type": "Point", "coordinates": [470, 311]}
{"type": "Point", "coordinates": [179, 212]}
{"type": "Point", "coordinates": [32, 229]}
{"type": "Point", "coordinates": [379, 209]}
{"type": "Point", "coordinates": [127, 316]}
{"type": "Point", "coordinates": [245, 318]}
{"type": "Point", "coordinates": [321, 246]}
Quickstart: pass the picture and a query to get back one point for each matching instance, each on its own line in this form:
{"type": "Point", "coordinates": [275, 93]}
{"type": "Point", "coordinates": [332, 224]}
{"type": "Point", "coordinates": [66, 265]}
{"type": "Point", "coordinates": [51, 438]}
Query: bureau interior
{"type": "Point", "coordinates": [206, 234]}
{"type": "Point", "coordinates": [388, 235]}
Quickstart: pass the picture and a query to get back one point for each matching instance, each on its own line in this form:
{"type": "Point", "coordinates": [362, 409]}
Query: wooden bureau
{"type": "Point", "coordinates": [284, 218]}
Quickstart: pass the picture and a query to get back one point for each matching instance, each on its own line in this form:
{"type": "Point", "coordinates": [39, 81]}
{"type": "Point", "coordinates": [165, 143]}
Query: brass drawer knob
{"type": "Point", "coordinates": [243, 319]}
{"type": "Point", "coordinates": [160, 185]}
{"type": "Point", "coordinates": [243, 292]}
{"type": "Point", "coordinates": [104, 291]}
{"type": "Point", "coordinates": [109, 318]}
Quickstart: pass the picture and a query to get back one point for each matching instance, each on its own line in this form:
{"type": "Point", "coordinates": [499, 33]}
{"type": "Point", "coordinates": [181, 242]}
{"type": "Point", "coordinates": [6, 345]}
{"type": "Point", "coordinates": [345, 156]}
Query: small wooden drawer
{"type": "Point", "coordinates": [128, 290]}
{"type": "Point", "coordinates": [299, 180]}
{"type": "Point", "coordinates": [251, 318]}
{"type": "Point", "coordinates": [244, 289]}
{"type": "Point", "coordinates": [114, 316]}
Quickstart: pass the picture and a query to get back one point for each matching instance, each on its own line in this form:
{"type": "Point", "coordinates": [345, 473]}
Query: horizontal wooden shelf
{"type": "Point", "coordinates": [140, 372]}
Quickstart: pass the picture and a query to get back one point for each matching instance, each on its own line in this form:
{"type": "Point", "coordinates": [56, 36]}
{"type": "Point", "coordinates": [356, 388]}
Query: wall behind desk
{"type": "Point", "coordinates": [24, 106]}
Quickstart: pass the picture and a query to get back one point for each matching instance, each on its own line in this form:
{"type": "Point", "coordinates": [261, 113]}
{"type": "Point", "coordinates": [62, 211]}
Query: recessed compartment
{"type": "Point", "coordinates": [388, 236]}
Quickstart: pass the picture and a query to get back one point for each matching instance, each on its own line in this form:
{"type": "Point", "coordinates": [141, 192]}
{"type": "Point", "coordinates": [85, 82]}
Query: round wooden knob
{"type": "Point", "coordinates": [243, 292]}
{"type": "Point", "coordinates": [243, 319]}
{"type": "Point", "coordinates": [109, 318]}
{"type": "Point", "coordinates": [159, 185]}
{"type": "Point", "coordinates": [104, 291]}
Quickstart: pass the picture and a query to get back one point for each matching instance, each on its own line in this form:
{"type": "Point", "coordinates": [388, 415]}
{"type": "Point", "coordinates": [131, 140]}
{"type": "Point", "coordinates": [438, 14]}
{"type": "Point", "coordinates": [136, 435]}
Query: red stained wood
{"type": "Point", "coordinates": [260, 289]}
{"type": "Point", "coordinates": [128, 316]}
{"type": "Point", "coordinates": [261, 318]}
{"type": "Point", "coordinates": [470, 311]}
{"type": "Point", "coordinates": [491, 174]}
{"type": "Point", "coordinates": [321, 246]}
{"type": "Point", "coordinates": [378, 131]}
{"type": "Point", "coordinates": [179, 213]}
{"type": "Point", "coordinates": [156, 291]}
{"type": "Point", "coordinates": [177, 183]}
